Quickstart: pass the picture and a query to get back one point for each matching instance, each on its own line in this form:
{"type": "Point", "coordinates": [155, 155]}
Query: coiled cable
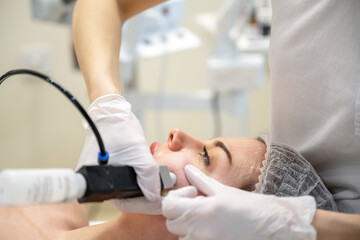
{"type": "Point", "coordinates": [103, 155]}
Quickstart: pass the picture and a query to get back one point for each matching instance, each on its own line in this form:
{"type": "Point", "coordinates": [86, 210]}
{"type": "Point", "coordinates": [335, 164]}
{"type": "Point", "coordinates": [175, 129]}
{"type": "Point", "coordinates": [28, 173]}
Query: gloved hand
{"type": "Point", "coordinates": [124, 140]}
{"type": "Point", "coordinates": [231, 213]}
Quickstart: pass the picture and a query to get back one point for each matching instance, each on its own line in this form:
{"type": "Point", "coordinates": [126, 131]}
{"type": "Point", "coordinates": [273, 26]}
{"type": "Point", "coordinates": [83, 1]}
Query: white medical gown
{"type": "Point", "coordinates": [314, 61]}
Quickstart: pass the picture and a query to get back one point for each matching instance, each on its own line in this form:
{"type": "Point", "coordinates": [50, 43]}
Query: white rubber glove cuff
{"type": "Point", "coordinates": [106, 106]}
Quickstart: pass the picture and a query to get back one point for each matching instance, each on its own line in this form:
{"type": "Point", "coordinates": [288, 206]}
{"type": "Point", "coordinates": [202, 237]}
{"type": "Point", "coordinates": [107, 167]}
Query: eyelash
{"type": "Point", "coordinates": [205, 157]}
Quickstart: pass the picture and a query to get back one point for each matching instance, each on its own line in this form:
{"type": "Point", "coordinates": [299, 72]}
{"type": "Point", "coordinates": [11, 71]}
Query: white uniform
{"type": "Point", "coordinates": [315, 72]}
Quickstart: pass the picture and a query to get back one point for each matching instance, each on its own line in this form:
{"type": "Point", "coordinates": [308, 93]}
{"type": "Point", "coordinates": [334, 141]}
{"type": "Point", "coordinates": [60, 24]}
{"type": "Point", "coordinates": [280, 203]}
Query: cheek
{"type": "Point", "coordinates": [176, 163]}
{"type": "Point", "coordinates": [223, 177]}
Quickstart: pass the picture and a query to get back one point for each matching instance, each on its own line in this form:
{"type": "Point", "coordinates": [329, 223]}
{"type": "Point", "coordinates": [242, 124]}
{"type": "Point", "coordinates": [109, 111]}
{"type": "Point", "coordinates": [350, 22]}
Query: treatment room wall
{"type": "Point", "coordinates": [40, 128]}
{"type": "Point", "coordinates": [186, 71]}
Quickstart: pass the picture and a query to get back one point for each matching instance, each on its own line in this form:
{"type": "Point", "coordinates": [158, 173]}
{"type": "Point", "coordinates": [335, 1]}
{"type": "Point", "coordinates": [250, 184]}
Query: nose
{"type": "Point", "coordinates": [179, 140]}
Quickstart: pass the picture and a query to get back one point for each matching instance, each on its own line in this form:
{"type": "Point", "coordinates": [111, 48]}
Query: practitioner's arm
{"type": "Point", "coordinates": [336, 226]}
{"type": "Point", "coordinates": [97, 38]}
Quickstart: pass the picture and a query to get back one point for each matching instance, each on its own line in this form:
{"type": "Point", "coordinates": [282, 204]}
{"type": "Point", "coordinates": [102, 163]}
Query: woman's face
{"type": "Point", "coordinates": [232, 161]}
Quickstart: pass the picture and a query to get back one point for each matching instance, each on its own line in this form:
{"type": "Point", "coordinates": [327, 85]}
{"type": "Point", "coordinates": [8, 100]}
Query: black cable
{"type": "Point", "coordinates": [103, 156]}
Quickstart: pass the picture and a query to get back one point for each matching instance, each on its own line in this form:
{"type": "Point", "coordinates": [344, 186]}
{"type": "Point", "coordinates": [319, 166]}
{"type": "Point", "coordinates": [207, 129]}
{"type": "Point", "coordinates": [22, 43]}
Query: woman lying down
{"type": "Point", "coordinates": [248, 164]}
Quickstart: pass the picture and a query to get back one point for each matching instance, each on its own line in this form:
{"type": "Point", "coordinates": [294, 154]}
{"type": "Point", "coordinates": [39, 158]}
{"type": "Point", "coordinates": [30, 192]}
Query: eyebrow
{"type": "Point", "coordinates": [221, 145]}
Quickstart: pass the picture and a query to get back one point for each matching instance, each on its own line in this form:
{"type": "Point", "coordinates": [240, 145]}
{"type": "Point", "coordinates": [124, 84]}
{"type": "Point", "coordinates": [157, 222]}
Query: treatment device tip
{"type": "Point", "coordinates": [173, 178]}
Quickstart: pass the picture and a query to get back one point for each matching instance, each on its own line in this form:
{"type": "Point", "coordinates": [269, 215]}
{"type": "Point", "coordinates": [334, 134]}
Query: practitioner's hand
{"type": "Point", "coordinates": [124, 140]}
{"type": "Point", "coordinates": [231, 213]}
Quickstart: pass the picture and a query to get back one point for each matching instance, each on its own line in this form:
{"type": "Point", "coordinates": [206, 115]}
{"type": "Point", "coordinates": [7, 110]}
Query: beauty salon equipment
{"type": "Point", "coordinates": [89, 184]}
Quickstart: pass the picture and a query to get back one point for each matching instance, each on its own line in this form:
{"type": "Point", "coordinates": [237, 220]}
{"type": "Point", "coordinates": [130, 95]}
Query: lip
{"type": "Point", "coordinates": [153, 147]}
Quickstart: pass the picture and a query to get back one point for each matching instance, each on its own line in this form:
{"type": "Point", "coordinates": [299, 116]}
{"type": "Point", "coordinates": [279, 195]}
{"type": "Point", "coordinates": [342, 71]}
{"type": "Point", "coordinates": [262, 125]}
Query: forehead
{"type": "Point", "coordinates": [239, 145]}
{"type": "Point", "coordinates": [235, 143]}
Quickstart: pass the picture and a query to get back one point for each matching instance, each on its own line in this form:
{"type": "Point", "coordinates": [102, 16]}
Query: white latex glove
{"type": "Point", "coordinates": [231, 213]}
{"type": "Point", "coordinates": [124, 140]}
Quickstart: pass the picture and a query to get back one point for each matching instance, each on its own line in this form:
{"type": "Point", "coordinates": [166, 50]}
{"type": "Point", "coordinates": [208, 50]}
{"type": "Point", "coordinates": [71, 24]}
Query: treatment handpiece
{"type": "Point", "coordinates": [20, 187]}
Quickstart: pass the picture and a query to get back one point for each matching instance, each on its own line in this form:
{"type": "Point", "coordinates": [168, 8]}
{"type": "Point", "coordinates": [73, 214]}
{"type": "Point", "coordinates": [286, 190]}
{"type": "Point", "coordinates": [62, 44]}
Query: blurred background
{"type": "Point", "coordinates": [198, 65]}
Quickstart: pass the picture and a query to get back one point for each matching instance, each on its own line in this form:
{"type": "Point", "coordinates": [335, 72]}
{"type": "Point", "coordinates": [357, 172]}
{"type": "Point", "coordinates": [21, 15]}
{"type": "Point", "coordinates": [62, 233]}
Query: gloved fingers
{"type": "Point", "coordinates": [184, 192]}
{"type": "Point", "coordinates": [186, 237]}
{"type": "Point", "coordinates": [182, 225]}
{"type": "Point", "coordinates": [190, 217]}
{"type": "Point", "coordinates": [208, 185]}
{"type": "Point", "coordinates": [181, 212]}
{"type": "Point", "coordinates": [149, 180]}
{"type": "Point", "coordinates": [203, 183]}
{"type": "Point", "coordinates": [147, 170]}
{"type": "Point", "coordinates": [178, 201]}
{"type": "Point", "coordinates": [190, 236]}
{"type": "Point", "coordinates": [138, 205]}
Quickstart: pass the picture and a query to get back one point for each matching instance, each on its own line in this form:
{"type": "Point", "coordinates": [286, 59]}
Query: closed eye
{"type": "Point", "coordinates": [205, 156]}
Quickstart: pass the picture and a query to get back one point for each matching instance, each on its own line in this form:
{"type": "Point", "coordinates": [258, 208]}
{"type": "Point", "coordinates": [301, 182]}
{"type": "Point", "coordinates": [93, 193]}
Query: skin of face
{"type": "Point", "coordinates": [181, 149]}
